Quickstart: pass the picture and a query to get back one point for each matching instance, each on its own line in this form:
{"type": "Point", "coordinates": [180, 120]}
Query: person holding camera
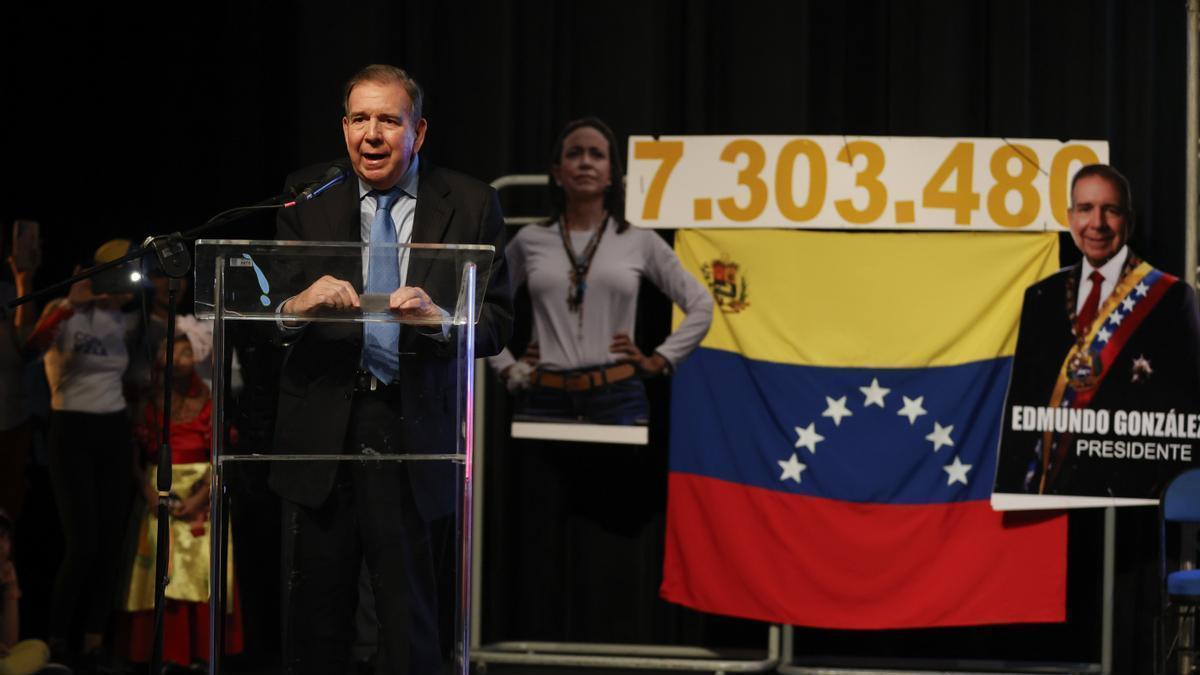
{"type": "Point", "coordinates": [90, 450]}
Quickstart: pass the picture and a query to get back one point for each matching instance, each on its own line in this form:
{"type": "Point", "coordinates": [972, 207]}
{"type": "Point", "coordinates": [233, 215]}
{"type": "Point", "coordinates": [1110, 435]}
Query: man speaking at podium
{"type": "Point", "coordinates": [374, 388]}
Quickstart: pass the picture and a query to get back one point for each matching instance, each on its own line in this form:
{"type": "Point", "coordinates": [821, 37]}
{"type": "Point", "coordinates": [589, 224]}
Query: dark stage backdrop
{"type": "Point", "coordinates": [124, 122]}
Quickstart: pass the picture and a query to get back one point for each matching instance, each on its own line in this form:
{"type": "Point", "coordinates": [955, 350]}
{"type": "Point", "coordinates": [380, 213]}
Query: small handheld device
{"type": "Point", "coordinates": [26, 247]}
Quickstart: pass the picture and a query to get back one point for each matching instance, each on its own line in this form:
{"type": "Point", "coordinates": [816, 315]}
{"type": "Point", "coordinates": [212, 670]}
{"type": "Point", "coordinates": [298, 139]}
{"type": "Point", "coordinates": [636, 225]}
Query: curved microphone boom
{"type": "Point", "coordinates": [332, 176]}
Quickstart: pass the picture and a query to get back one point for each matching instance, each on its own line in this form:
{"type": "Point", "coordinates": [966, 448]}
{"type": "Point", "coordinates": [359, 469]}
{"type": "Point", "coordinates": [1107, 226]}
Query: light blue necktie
{"type": "Point", "coordinates": [381, 341]}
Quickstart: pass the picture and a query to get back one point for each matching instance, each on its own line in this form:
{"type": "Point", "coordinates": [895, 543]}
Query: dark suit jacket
{"type": "Point", "coordinates": [1169, 338]}
{"type": "Point", "coordinates": [317, 379]}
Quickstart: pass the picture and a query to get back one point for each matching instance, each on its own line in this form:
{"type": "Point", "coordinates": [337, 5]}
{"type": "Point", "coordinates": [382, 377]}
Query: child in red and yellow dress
{"type": "Point", "coordinates": [186, 617]}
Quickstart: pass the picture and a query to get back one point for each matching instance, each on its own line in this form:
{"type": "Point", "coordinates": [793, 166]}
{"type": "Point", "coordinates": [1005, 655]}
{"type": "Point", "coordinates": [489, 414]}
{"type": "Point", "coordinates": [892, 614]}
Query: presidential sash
{"type": "Point", "coordinates": [1088, 361]}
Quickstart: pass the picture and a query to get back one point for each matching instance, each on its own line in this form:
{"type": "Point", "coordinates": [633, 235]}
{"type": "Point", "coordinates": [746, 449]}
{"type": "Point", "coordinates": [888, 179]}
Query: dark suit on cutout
{"type": "Point", "coordinates": [346, 510]}
{"type": "Point", "coordinates": [1168, 338]}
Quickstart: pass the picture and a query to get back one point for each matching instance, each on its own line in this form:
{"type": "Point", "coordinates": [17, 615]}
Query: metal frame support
{"type": "Point", "coordinates": [1107, 589]}
{"type": "Point", "coordinates": [1192, 166]}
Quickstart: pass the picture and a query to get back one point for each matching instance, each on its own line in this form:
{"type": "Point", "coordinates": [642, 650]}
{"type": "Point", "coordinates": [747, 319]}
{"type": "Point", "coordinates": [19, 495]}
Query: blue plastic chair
{"type": "Point", "coordinates": [1181, 505]}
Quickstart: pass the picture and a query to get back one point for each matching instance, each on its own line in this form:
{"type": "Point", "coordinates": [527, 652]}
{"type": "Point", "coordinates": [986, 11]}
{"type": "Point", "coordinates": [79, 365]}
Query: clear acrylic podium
{"type": "Point", "coordinates": [248, 282]}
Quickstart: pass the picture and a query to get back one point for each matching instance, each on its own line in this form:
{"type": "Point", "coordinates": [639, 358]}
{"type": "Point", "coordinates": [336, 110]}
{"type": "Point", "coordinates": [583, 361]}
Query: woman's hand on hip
{"type": "Point", "coordinates": [648, 366]}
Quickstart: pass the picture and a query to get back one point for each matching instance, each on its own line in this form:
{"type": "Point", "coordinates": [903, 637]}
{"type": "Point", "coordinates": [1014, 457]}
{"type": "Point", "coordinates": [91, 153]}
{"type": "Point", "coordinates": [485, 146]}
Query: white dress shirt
{"type": "Point", "coordinates": [1111, 271]}
{"type": "Point", "coordinates": [403, 212]}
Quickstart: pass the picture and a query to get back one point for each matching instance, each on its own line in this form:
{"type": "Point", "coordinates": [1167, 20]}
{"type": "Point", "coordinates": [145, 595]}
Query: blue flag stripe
{"type": "Point", "coordinates": [928, 435]}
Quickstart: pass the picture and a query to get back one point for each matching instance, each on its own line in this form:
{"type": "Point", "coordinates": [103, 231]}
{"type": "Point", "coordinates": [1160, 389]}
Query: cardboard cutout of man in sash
{"type": "Point", "coordinates": [1104, 399]}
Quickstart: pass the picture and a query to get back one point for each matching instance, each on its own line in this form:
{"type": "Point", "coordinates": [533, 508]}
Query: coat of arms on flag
{"type": "Point", "coordinates": [726, 284]}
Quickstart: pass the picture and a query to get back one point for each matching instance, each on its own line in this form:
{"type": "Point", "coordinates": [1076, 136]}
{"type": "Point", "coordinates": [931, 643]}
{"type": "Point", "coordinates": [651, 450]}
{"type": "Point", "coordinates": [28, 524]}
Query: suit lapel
{"type": "Point", "coordinates": [341, 212]}
{"type": "Point", "coordinates": [430, 222]}
{"type": "Point", "coordinates": [1072, 291]}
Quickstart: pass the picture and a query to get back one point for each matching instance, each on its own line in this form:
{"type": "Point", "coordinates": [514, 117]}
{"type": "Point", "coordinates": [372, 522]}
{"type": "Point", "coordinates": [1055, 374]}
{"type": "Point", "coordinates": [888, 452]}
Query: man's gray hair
{"type": "Point", "coordinates": [384, 74]}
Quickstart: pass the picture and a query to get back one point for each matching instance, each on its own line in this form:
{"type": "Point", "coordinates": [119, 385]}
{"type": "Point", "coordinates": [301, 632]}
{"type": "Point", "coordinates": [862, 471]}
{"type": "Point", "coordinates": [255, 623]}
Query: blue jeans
{"type": "Point", "coordinates": [622, 402]}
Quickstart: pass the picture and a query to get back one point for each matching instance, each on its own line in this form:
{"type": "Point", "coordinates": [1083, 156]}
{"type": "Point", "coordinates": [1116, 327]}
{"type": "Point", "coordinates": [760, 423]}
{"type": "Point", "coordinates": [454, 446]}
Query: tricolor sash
{"type": "Point", "coordinates": [1088, 361]}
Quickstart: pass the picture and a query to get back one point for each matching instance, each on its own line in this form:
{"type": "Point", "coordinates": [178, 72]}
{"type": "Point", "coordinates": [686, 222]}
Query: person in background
{"type": "Point", "coordinates": [151, 329]}
{"type": "Point", "coordinates": [583, 268]}
{"type": "Point", "coordinates": [186, 623]}
{"type": "Point", "coordinates": [90, 452]}
{"type": "Point", "coordinates": [15, 326]}
{"type": "Point", "coordinates": [17, 657]}
{"type": "Point", "coordinates": [589, 516]}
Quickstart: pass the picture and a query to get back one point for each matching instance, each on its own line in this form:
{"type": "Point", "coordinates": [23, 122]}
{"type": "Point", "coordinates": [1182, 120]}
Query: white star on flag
{"type": "Point", "coordinates": [912, 408]}
{"type": "Point", "coordinates": [1142, 288]}
{"type": "Point", "coordinates": [874, 393]}
{"type": "Point", "coordinates": [1127, 304]}
{"type": "Point", "coordinates": [957, 472]}
{"type": "Point", "coordinates": [836, 409]}
{"type": "Point", "coordinates": [940, 436]}
{"type": "Point", "coordinates": [1115, 319]}
{"type": "Point", "coordinates": [808, 437]}
{"type": "Point", "coordinates": [791, 468]}
{"type": "Point", "coordinates": [1102, 335]}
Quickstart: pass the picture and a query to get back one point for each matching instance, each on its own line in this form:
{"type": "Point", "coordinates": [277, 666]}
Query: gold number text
{"type": "Point", "coordinates": [868, 178]}
{"type": "Point", "coordinates": [1060, 180]}
{"type": "Point", "coordinates": [784, 171]}
{"type": "Point", "coordinates": [670, 153]}
{"type": "Point", "coordinates": [1022, 183]}
{"type": "Point", "coordinates": [961, 163]}
{"type": "Point", "coordinates": [750, 176]}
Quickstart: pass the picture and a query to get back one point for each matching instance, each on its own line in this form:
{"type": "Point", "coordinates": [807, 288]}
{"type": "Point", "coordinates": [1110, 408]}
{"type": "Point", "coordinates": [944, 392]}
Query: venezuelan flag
{"type": "Point", "coordinates": [833, 440]}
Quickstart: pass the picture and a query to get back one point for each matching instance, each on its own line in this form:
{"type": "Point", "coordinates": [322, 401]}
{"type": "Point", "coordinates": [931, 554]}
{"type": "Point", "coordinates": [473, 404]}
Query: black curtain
{"type": "Point", "coordinates": [118, 120]}
{"type": "Point", "coordinates": [124, 121]}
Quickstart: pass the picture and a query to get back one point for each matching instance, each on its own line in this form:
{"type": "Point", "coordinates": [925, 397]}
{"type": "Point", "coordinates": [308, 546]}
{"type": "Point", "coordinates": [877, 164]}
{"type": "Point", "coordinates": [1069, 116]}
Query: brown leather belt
{"type": "Point", "coordinates": [583, 380]}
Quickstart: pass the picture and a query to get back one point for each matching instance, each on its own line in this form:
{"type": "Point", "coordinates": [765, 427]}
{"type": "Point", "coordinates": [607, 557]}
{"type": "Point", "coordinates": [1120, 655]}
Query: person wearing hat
{"type": "Point", "coordinates": [90, 449]}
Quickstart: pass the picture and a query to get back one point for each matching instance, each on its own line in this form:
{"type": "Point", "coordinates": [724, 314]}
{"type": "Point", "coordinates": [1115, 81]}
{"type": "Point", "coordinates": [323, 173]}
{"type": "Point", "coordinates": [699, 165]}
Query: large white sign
{"type": "Point", "coordinates": [853, 182]}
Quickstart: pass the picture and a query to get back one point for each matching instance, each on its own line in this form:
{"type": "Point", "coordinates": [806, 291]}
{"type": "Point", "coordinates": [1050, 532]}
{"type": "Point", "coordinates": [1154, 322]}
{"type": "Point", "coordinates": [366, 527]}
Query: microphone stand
{"type": "Point", "coordinates": [175, 261]}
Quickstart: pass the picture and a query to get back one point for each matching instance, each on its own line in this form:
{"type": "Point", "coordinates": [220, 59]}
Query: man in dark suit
{"type": "Point", "coordinates": [1110, 333]}
{"type": "Point", "coordinates": [374, 389]}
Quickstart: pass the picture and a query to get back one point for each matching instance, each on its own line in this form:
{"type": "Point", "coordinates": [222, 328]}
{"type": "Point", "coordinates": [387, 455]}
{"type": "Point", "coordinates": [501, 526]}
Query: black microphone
{"type": "Point", "coordinates": [332, 176]}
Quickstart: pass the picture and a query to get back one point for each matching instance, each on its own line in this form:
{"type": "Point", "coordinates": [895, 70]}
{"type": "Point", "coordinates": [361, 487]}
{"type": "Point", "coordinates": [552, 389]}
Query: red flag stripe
{"type": "Point", "coordinates": [809, 561]}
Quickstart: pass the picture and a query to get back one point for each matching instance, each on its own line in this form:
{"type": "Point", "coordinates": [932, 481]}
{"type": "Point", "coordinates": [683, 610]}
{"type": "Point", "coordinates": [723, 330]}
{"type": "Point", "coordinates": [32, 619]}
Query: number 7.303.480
{"type": "Point", "coordinates": [1011, 199]}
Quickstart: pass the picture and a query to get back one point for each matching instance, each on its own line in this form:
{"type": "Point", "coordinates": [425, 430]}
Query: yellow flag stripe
{"type": "Point", "coordinates": [868, 299]}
